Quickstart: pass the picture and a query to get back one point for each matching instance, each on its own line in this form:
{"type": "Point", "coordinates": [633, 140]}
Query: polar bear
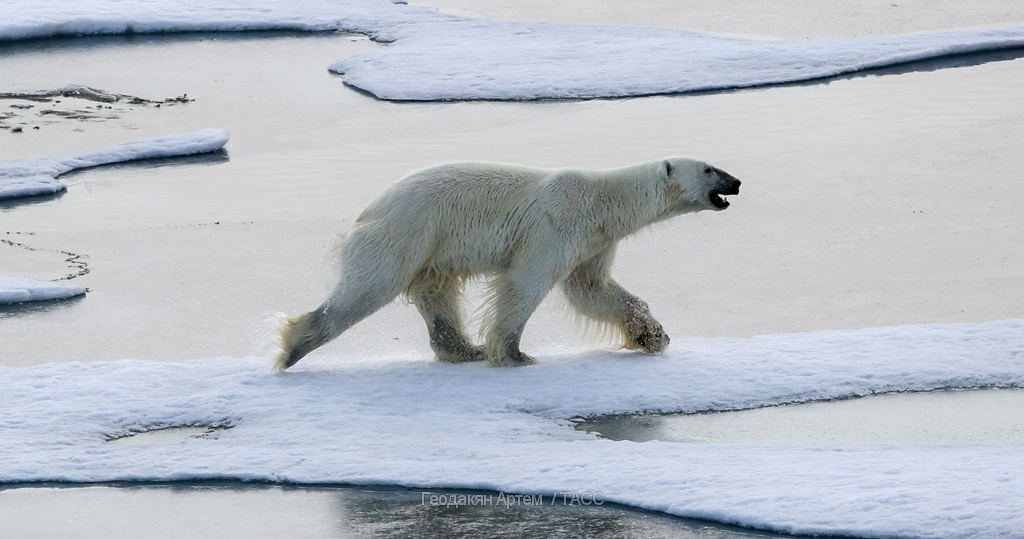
{"type": "Point", "coordinates": [526, 229]}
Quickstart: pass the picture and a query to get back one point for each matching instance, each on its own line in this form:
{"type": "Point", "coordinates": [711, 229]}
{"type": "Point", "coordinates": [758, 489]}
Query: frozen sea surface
{"type": "Point", "coordinates": [428, 424]}
{"type": "Point", "coordinates": [437, 56]}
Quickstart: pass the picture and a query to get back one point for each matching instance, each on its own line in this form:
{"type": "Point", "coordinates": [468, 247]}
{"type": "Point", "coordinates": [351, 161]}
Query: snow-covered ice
{"type": "Point", "coordinates": [436, 56]}
{"type": "Point", "coordinates": [29, 177]}
{"type": "Point", "coordinates": [20, 290]}
{"type": "Point", "coordinates": [505, 61]}
{"type": "Point", "coordinates": [421, 423]}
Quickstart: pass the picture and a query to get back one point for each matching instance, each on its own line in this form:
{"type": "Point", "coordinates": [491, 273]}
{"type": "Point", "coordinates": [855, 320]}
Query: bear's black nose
{"type": "Point", "coordinates": [733, 187]}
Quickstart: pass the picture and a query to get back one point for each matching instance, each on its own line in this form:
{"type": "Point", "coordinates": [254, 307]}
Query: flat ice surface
{"type": "Point", "coordinates": [19, 290]}
{"type": "Point", "coordinates": [436, 56]}
{"type": "Point", "coordinates": [428, 424]}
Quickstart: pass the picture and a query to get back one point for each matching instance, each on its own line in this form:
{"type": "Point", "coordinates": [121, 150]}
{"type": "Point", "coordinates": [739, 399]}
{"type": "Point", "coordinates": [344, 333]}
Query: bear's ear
{"type": "Point", "coordinates": [668, 168]}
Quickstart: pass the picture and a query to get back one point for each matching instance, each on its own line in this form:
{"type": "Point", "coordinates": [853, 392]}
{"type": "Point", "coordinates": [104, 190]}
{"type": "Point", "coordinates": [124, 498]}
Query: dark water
{"type": "Point", "coordinates": [235, 510]}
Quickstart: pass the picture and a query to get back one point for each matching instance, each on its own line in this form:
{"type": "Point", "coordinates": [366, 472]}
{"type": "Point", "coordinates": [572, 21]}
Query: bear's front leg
{"type": "Point", "coordinates": [594, 294]}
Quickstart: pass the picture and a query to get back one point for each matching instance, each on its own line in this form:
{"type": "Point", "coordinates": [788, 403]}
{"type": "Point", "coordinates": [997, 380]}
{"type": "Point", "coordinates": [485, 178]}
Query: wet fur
{"type": "Point", "coordinates": [527, 230]}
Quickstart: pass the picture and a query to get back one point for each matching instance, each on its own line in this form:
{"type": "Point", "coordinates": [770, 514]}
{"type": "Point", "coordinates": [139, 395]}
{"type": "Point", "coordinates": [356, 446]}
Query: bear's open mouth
{"type": "Point", "coordinates": [718, 201]}
{"type": "Point", "coordinates": [730, 187]}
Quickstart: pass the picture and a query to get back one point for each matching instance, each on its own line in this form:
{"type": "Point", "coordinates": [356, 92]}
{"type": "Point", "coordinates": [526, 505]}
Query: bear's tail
{"type": "Point", "coordinates": [299, 336]}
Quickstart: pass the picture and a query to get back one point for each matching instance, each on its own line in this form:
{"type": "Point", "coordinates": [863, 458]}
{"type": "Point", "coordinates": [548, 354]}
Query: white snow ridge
{"type": "Point", "coordinates": [29, 177]}
{"type": "Point", "coordinates": [19, 290]}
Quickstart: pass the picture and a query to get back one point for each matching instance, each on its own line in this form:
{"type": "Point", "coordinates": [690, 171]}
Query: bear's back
{"type": "Point", "coordinates": [472, 191]}
{"type": "Point", "coordinates": [471, 216]}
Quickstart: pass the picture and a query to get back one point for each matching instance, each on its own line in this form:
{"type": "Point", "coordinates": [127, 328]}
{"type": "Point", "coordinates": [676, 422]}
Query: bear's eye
{"type": "Point", "coordinates": [707, 170]}
{"type": "Point", "coordinates": [668, 168]}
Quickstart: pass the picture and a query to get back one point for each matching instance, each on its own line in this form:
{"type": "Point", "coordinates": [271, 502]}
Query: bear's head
{"type": "Point", "coordinates": [693, 185]}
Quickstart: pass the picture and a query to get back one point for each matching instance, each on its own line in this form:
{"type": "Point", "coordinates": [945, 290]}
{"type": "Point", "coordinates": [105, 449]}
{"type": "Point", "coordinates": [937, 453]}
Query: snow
{"type": "Point", "coordinates": [19, 290]}
{"type": "Point", "coordinates": [435, 56]}
{"type": "Point", "coordinates": [506, 61]}
{"type": "Point", "coordinates": [28, 177]}
{"type": "Point", "coordinates": [420, 423]}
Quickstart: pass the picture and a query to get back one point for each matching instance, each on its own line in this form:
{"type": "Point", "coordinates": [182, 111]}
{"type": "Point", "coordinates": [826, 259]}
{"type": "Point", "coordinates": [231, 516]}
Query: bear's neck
{"type": "Point", "coordinates": [628, 200]}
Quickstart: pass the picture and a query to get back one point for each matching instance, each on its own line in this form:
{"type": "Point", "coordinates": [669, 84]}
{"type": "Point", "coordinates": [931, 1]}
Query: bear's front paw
{"type": "Point", "coordinates": [653, 342]}
{"type": "Point", "coordinates": [650, 338]}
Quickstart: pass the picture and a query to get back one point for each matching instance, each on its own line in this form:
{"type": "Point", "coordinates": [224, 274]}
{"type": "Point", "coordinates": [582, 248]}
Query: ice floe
{"type": "Point", "coordinates": [436, 56]}
{"type": "Point", "coordinates": [421, 423]}
{"type": "Point", "coordinates": [509, 61]}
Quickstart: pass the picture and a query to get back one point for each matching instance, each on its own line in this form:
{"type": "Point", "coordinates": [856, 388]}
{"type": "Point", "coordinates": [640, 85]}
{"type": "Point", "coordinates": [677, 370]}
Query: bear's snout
{"type": "Point", "coordinates": [731, 187]}
{"type": "Point", "coordinates": [727, 184]}
{"type": "Point", "coordinates": [724, 184]}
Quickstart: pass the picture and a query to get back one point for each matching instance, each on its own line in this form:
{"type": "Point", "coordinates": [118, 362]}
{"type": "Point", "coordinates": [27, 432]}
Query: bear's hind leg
{"type": "Point", "coordinates": [373, 273]}
{"type": "Point", "coordinates": [299, 336]}
{"type": "Point", "coordinates": [437, 300]}
{"type": "Point", "coordinates": [302, 334]}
